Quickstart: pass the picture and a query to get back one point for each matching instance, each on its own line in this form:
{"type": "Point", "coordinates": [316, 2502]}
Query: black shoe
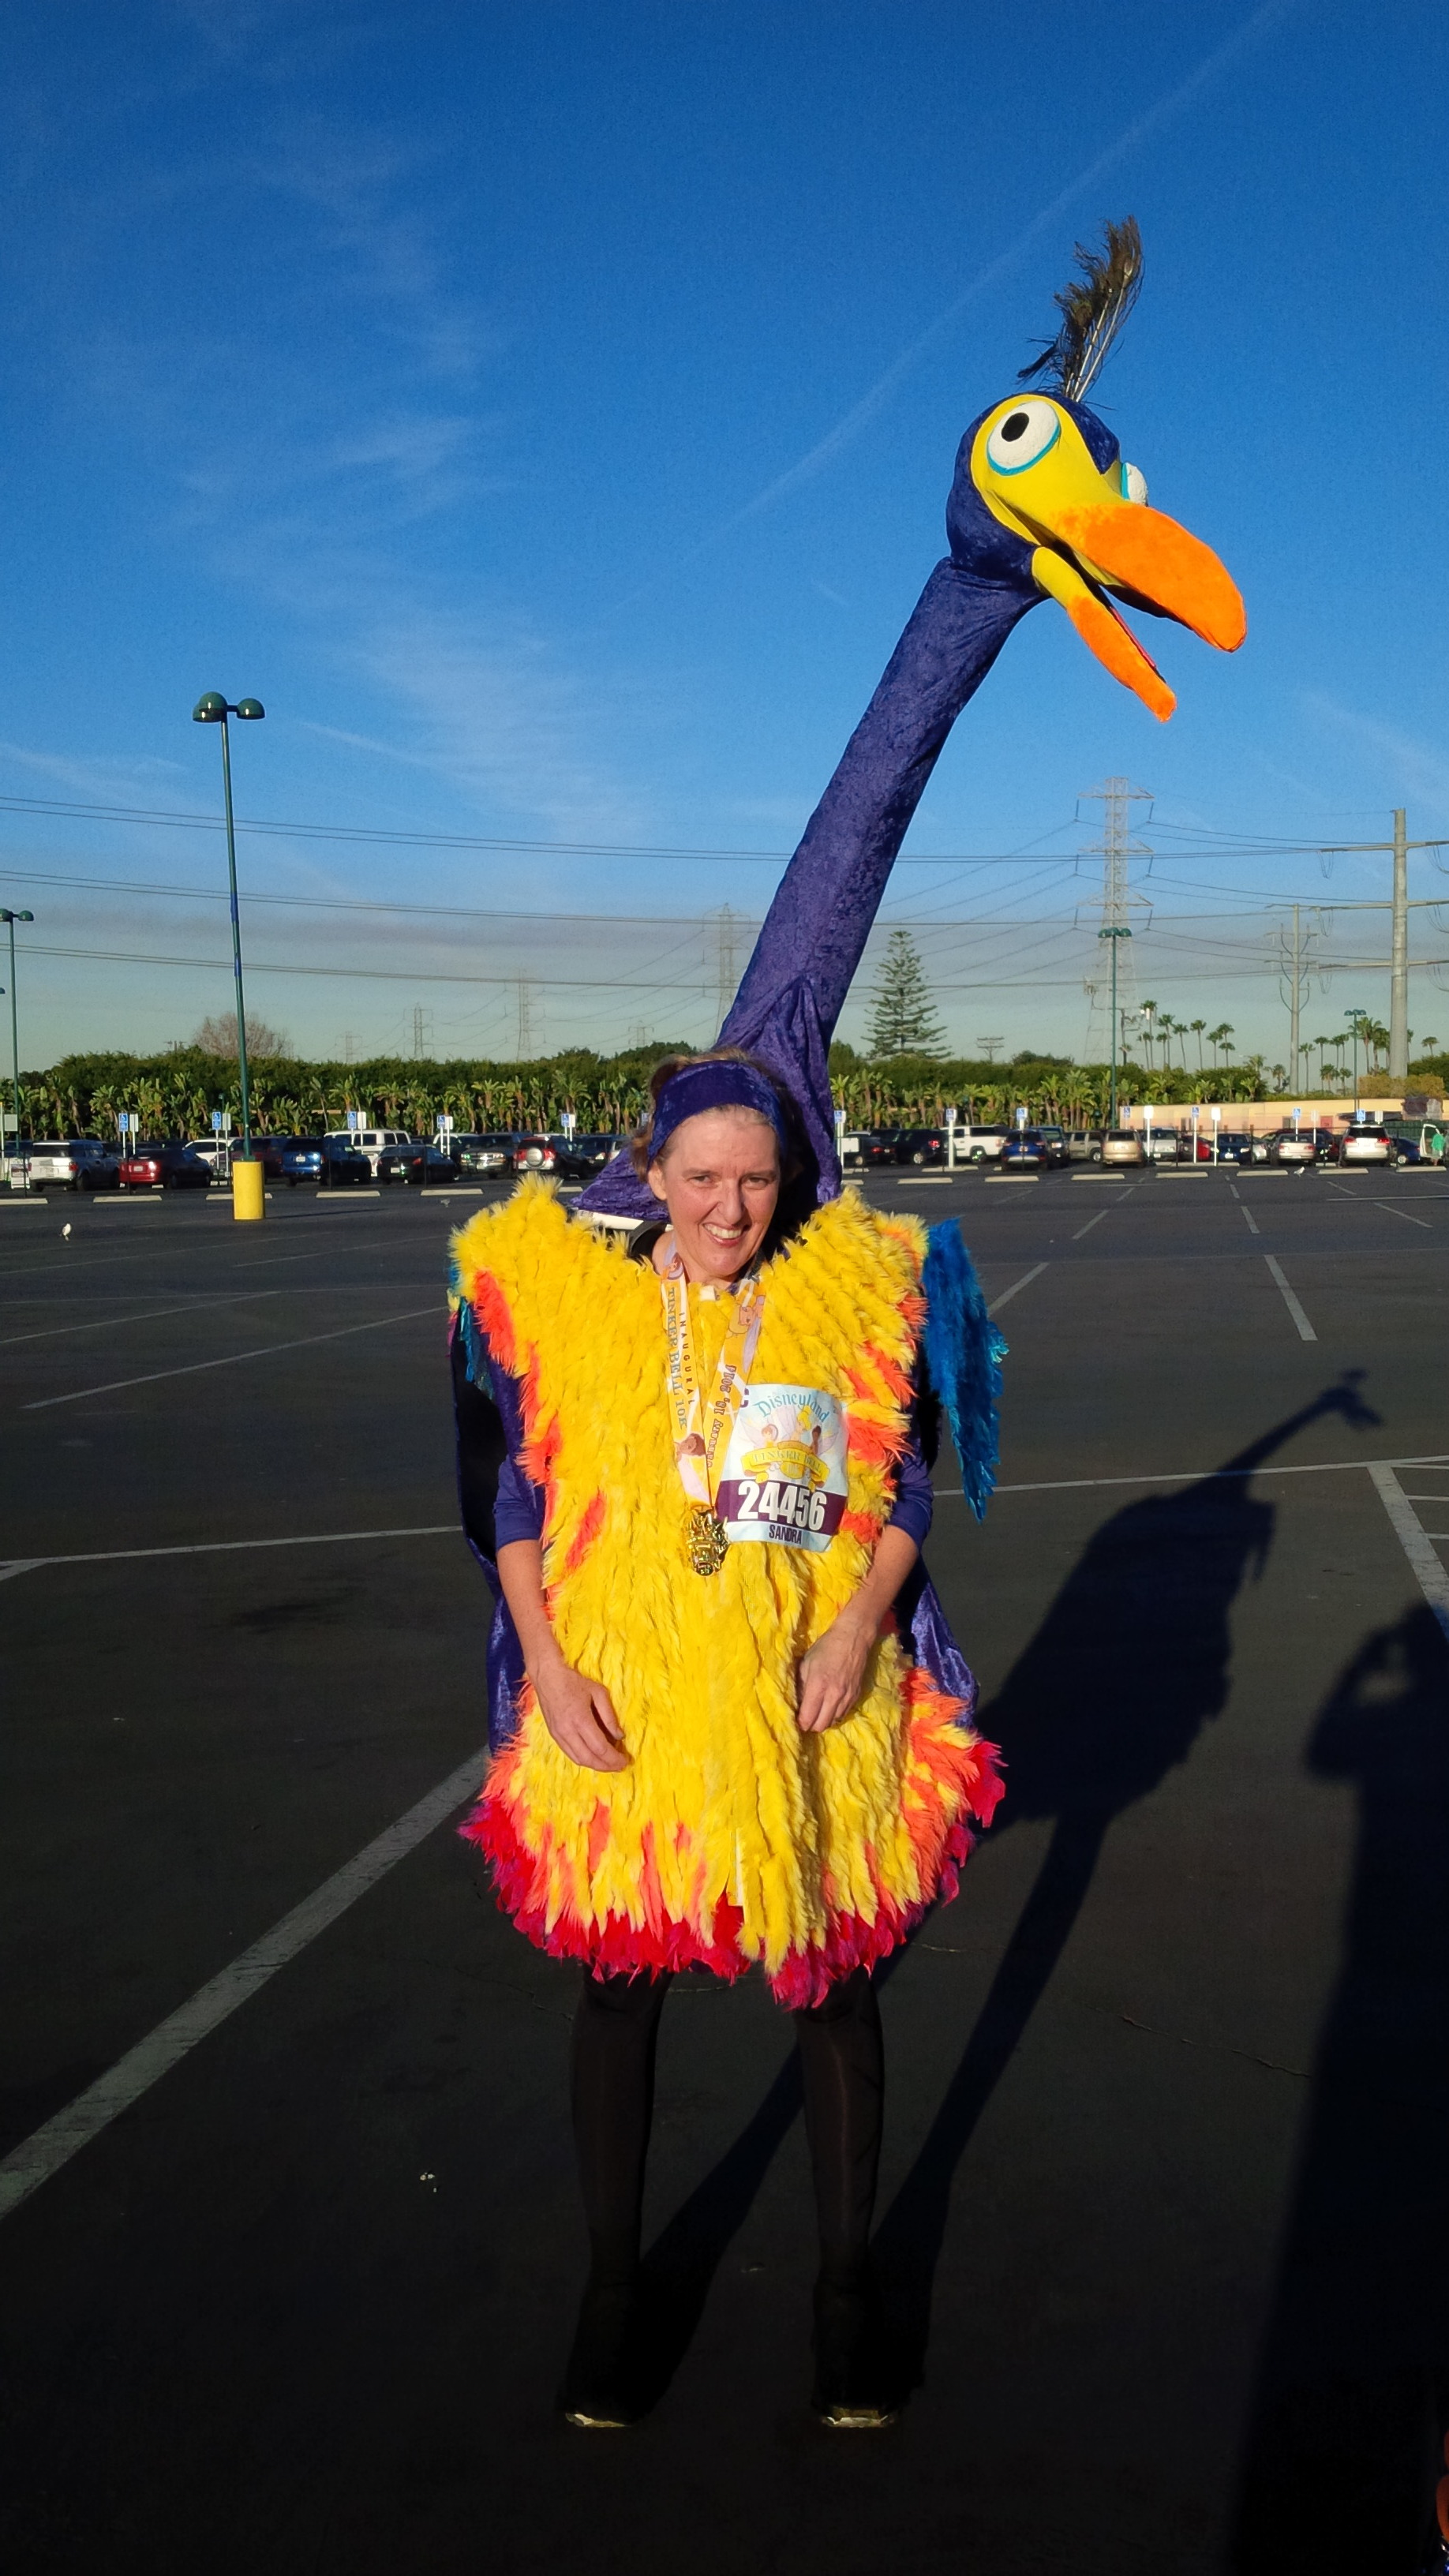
{"type": "Point", "coordinates": [600, 2390]}
{"type": "Point", "coordinates": [852, 2390]}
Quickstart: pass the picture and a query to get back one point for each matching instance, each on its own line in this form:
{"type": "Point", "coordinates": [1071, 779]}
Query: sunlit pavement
{"type": "Point", "coordinates": [1164, 2222]}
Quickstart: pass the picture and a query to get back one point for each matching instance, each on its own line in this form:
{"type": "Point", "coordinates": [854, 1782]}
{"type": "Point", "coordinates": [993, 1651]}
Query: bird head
{"type": "Point", "coordinates": [1043, 503]}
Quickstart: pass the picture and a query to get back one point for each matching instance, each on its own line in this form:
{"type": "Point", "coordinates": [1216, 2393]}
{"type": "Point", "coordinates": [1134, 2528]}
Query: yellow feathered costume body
{"type": "Point", "coordinates": [731, 1837]}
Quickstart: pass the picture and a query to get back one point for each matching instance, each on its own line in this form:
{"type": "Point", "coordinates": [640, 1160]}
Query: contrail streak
{"type": "Point", "coordinates": [879, 394]}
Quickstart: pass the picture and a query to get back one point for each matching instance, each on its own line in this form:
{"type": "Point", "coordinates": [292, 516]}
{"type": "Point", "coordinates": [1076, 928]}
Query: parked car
{"type": "Point", "coordinates": [269, 1151]}
{"type": "Point", "coordinates": [1162, 1145]}
{"type": "Point", "coordinates": [869, 1148]}
{"type": "Point", "coordinates": [164, 1167]}
{"type": "Point", "coordinates": [479, 1153]}
{"type": "Point", "coordinates": [1365, 1145]}
{"type": "Point", "coordinates": [1428, 1134]}
{"type": "Point", "coordinates": [979, 1144]}
{"type": "Point", "coordinates": [1299, 1146]}
{"type": "Point", "coordinates": [921, 1145]}
{"type": "Point", "coordinates": [1024, 1152]}
{"type": "Point", "coordinates": [1055, 1145]}
{"type": "Point", "coordinates": [536, 1153]}
{"type": "Point", "coordinates": [425, 1166]}
{"type": "Point", "coordinates": [1123, 1145]}
{"type": "Point", "coordinates": [582, 1158]}
{"type": "Point", "coordinates": [70, 1163]}
{"type": "Point", "coordinates": [374, 1142]}
{"type": "Point", "coordinates": [328, 1160]}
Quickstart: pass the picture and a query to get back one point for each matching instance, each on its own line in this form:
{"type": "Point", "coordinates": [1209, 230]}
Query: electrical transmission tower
{"type": "Point", "coordinates": [526, 1042]}
{"type": "Point", "coordinates": [727, 930]}
{"type": "Point", "coordinates": [1115, 905]}
{"type": "Point", "coordinates": [422, 1033]}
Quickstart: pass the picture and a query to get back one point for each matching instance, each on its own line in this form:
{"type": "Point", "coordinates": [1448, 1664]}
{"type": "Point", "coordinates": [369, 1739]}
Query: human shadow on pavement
{"type": "Point", "coordinates": [1130, 1663]}
{"type": "Point", "coordinates": [680, 2265]}
{"type": "Point", "coordinates": [1353, 2388]}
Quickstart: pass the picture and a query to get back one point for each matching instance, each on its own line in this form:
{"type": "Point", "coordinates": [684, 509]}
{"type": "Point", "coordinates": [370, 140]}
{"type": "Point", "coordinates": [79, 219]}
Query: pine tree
{"type": "Point", "coordinates": [904, 1021]}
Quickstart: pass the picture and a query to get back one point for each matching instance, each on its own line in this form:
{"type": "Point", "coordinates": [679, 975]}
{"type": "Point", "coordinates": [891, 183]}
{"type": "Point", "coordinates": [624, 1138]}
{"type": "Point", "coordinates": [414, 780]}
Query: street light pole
{"type": "Point", "coordinates": [213, 709]}
{"type": "Point", "coordinates": [10, 919]}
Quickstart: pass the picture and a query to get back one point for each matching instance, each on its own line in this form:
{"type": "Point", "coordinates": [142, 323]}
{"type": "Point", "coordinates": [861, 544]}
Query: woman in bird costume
{"type": "Point", "coordinates": [730, 1725]}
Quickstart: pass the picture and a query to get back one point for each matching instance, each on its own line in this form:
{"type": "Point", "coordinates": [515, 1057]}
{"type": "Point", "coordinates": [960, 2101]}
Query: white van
{"type": "Point", "coordinates": [371, 1141]}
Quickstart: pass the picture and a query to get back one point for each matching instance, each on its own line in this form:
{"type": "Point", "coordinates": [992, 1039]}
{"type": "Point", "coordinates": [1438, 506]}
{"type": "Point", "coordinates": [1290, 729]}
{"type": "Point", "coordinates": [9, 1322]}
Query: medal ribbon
{"type": "Point", "coordinates": [692, 1415]}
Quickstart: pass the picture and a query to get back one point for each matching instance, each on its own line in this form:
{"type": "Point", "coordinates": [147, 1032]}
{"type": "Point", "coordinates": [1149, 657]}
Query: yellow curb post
{"type": "Point", "coordinates": [248, 1201]}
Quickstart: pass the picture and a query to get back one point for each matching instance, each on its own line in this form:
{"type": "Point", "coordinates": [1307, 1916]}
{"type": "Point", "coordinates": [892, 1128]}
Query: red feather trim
{"type": "Point", "coordinates": [491, 1308]}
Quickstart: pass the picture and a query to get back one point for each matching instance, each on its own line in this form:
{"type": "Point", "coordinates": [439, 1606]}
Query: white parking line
{"type": "Point", "coordinates": [233, 1359]}
{"type": "Point", "coordinates": [1306, 1331]}
{"type": "Point", "coordinates": [1249, 1219]}
{"type": "Point", "coordinates": [151, 1315]}
{"type": "Point", "coordinates": [1016, 1288]}
{"type": "Point", "coordinates": [57, 2140]}
{"type": "Point", "coordinates": [1207, 1475]}
{"type": "Point", "coordinates": [1091, 1221]}
{"type": "Point", "coordinates": [1415, 1541]}
{"type": "Point", "coordinates": [232, 1546]}
{"type": "Point", "coordinates": [1404, 1213]}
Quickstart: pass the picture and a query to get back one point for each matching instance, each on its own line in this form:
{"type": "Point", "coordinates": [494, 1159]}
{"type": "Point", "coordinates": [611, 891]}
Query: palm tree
{"type": "Point", "coordinates": [1219, 1036]}
{"type": "Point", "coordinates": [1197, 1027]}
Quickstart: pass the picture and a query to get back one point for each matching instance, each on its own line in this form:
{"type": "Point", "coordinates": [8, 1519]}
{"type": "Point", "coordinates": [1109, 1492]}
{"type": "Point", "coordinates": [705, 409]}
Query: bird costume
{"type": "Point", "coordinates": [731, 1838]}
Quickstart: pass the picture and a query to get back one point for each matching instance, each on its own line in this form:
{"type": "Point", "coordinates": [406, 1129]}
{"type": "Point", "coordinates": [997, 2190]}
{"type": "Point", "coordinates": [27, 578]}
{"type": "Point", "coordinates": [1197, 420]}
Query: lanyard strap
{"type": "Point", "coordinates": [700, 1423]}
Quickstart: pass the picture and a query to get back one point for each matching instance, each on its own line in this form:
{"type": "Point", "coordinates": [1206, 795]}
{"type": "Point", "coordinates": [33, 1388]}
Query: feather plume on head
{"type": "Point", "coordinates": [1093, 308]}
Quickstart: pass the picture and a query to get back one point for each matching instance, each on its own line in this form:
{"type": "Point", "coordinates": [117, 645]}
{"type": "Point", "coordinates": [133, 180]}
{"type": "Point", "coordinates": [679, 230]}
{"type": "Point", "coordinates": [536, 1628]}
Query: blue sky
{"type": "Point", "coordinates": [549, 414]}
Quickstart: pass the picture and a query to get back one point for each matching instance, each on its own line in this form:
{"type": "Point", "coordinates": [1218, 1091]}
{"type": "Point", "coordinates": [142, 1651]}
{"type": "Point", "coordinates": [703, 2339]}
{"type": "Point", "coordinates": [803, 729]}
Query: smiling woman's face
{"type": "Point", "coordinates": [719, 1178]}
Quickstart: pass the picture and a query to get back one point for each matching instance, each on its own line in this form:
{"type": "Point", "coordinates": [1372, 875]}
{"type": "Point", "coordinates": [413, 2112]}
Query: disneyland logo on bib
{"type": "Point", "coordinates": [785, 1469]}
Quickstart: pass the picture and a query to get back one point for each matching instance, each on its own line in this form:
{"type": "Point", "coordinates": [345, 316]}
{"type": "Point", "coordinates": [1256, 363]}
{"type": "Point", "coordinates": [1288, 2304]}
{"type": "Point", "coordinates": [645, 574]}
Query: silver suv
{"type": "Point", "coordinates": [71, 1163]}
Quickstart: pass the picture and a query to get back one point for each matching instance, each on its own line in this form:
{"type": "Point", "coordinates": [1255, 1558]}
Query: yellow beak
{"type": "Point", "coordinates": [1090, 536]}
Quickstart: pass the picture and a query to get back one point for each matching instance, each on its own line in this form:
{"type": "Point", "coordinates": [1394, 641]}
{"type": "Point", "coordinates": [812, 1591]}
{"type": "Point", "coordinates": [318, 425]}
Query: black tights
{"type": "Point", "coordinates": [616, 2031]}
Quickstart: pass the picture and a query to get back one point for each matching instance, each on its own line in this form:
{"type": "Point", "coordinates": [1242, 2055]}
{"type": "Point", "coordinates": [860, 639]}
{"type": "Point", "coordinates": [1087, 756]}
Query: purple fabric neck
{"type": "Point", "coordinates": [814, 936]}
{"type": "Point", "coordinates": [697, 1087]}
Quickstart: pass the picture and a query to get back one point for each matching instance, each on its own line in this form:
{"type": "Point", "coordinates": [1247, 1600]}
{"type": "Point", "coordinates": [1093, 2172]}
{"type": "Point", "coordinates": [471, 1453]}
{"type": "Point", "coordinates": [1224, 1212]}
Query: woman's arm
{"type": "Point", "coordinates": [578, 1713]}
{"type": "Point", "coordinates": [832, 1672]}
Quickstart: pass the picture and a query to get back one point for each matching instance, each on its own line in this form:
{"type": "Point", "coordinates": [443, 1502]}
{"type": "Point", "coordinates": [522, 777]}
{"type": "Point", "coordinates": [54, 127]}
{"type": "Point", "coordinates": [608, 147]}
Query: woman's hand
{"type": "Point", "coordinates": [832, 1671]}
{"type": "Point", "coordinates": [579, 1715]}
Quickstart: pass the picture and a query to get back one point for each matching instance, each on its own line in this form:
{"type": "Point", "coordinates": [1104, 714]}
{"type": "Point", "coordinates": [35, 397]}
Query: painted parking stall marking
{"type": "Point", "coordinates": [53, 2144]}
{"type": "Point", "coordinates": [1305, 1329]}
{"type": "Point", "coordinates": [231, 1359]}
{"type": "Point", "coordinates": [1017, 1286]}
{"type": "Point", "coordinates": [1417, 1543]}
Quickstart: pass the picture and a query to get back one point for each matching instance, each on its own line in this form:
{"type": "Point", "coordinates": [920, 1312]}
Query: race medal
{"type": "Point", "coordinates": [785, 1475]}
{"type": "Point", "coordinates": [707, 1543]}
{"type": "Point", "coordinates": [700, 1424]}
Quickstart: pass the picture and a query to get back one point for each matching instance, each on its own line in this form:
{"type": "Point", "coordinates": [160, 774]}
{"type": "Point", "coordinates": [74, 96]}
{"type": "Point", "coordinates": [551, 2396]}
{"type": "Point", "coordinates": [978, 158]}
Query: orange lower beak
{"type": "Point", "coordinates": [1128, 547]}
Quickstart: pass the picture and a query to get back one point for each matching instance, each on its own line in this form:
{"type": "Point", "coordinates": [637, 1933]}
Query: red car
{"type": "Point", "coordinates": [165, 1167]}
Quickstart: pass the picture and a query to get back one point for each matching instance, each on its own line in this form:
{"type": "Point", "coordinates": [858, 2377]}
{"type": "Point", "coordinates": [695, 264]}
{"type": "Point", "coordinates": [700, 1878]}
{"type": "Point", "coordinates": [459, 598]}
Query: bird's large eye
{"type": "Point", "coordinates": [1134, 482]}
{"type": "Point", "coordinates": [1023, 435]}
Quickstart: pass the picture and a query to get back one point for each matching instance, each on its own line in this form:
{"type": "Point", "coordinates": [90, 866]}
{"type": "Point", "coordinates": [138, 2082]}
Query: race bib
{"type": "Point", "coordinates": [784, 1472]}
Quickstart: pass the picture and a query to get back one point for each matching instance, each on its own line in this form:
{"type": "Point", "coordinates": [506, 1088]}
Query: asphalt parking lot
{"type": "Point", "coordinates": [288, 2241]}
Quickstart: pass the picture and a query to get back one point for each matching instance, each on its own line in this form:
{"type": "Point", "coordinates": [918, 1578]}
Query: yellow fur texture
{"type": "Point", "coordinates": [731, 1837]}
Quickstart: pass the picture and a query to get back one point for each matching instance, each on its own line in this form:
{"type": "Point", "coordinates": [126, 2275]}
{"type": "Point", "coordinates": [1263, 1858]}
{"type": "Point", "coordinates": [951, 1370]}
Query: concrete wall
{"type": "Point", "coordinates": [1265, 1117]}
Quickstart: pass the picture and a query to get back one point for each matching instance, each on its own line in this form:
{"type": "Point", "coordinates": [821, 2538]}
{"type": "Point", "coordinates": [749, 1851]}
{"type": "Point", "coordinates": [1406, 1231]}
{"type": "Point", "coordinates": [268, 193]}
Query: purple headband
{"type": "Point", "coordinates": [715, 1086]}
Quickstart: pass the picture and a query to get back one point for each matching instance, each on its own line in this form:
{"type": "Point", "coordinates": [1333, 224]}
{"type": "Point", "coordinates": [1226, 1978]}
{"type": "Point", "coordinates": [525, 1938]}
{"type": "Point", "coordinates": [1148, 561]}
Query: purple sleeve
{"type": "Point", "coordinates": [914, 1499]}
{"type": "Point", "coordinates": [518, 1507]}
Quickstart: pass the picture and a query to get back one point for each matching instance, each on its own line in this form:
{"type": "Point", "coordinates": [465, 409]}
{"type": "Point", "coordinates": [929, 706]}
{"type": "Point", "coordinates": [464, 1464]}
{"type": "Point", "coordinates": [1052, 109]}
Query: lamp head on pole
{"type": "Point", "coordinates": [17, 916]}
{"type": "Point", "coordinates": [212, 709]}
{"type": "Point", "coordinates": [249, 709]}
